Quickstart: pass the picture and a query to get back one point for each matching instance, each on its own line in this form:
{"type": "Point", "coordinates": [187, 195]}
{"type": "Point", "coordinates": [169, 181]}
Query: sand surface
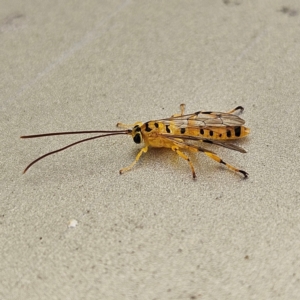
{"type": "Point", "coordinates": [72, 227]}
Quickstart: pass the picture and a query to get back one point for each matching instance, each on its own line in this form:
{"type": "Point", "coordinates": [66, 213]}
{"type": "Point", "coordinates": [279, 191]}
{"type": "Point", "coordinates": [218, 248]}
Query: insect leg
{"type": "Point", "coordinates": [181, 154]}
{"type": "Point", "coordinates": [210, 154]}
{"type": "Point", "coordinates": [121, 125]}
{"type": "Point", "coordinates": [221, 161]}
{"type": "Point", "coordinates": [143, 150]}
{"type": "Point", "coordinates": [182, 109]}
{"type": "Point", "coordinates": [236, 111]}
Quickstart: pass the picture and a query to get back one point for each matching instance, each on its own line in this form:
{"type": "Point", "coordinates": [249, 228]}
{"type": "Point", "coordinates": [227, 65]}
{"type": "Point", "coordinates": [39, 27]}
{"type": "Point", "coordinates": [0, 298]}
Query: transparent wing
{"type": "Point", "coordinates": [204, 119]}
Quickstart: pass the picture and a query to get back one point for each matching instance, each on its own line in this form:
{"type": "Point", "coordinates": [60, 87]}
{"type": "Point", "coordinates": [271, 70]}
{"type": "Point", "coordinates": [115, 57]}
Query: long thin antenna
{"type": "Point", "coordinates": [109, 133]}
{"type": "Point", "coordinates": [74, 132]}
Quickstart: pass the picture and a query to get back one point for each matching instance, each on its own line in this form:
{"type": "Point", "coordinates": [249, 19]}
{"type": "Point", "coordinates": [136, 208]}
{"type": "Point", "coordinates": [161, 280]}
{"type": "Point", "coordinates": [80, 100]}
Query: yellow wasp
{"type": "Point", "coordinates": [175, 133]}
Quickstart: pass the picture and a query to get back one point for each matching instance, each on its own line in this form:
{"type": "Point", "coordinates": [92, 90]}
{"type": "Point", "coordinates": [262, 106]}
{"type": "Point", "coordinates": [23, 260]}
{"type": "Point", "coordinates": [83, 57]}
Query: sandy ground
{"type": "Point", "coordinates": [72, 227]}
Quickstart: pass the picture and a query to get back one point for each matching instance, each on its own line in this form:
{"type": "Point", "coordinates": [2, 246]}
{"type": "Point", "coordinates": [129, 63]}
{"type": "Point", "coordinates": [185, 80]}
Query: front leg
{"type": "Point", "coordinates": [143, 150]}
{"type": "Point", "coordinates": [126, 126]}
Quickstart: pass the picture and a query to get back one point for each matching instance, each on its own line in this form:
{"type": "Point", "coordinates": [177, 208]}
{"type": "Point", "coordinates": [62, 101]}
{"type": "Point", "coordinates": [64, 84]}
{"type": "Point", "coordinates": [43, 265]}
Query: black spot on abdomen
{"type": "Point", "coordinates": [228, 133]}
{"type": "Point", "coordinates": [237, 131]}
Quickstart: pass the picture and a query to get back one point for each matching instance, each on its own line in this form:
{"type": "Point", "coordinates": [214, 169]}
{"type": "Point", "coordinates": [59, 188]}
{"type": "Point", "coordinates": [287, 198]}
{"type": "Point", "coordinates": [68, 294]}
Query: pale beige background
{"type": "Point", "coordinates": [153, 233]}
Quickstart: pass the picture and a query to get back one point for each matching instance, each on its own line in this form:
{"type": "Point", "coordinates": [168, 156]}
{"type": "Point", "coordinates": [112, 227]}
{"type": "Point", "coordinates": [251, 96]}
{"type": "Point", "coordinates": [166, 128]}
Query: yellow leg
{"type": "Point", "coordinates": [143, 150]}
{"type": "Point", "coordinates": [221, 161]}
{"type": "Point", "coordinates": [181, 154]}
{"type": "Point", "coordinates": [121, 125]}
{"type": "Point", "coordinates": [236, 111]}
{"type": "Point", "coordinates": [182, 109]}
{"type": "Point", "coordinates": [210, 154]}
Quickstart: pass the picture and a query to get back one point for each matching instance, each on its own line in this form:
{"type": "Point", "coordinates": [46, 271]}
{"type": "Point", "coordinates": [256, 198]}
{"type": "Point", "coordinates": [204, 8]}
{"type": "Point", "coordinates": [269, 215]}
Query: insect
{"type": "Point", "coordinates": [180, 132]}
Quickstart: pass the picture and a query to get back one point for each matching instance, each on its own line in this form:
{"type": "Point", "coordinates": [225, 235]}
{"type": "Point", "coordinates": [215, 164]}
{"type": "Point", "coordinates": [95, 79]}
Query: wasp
{"type": "Point", "coordinates": [180, 133]}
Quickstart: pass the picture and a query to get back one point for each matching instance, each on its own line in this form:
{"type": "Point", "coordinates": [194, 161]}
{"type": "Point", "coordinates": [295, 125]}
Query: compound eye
{"type": "Point", "coordinates": [137, 138]}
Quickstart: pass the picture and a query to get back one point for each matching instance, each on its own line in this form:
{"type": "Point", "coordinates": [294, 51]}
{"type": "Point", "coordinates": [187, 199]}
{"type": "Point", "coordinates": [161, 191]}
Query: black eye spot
{"type": "Point", "coordinates": [182, 130]}
{"type": "Point", "coordinates": [137, 138]}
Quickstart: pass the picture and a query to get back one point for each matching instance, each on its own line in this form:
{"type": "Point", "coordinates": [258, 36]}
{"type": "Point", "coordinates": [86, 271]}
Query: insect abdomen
{"type": "Point", "coordinates": [216, 133]}
{"type": "Point", "coordinates": [209, 132]}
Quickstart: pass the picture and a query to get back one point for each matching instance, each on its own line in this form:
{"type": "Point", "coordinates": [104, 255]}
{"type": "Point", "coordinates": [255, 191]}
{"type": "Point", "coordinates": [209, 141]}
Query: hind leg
{"type": "Point", "coordinates": [221, 161]}
{"type": "Point", "coordinates": [236, 111]}
{"type": "Point", "coordinates": [208, 153]}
